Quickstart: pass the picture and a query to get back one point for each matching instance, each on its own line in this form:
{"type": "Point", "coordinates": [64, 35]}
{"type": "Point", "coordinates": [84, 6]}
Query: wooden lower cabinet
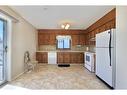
{"type": "Point", "coordinates": [73, 58]}
{"type": "Point", "coordinates": [70, 57]}
{"type": "Point", "coordinates": [80, 57]}
{"type": "Point", "coordinates": [42, 57]}
{"type": "Point", "coordinates": [60, 57]}
{"type": "Point", "coordinates": [66, 57]}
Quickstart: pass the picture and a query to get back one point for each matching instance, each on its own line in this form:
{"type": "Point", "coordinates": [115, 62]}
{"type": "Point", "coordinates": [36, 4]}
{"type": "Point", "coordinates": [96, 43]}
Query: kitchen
{"type": "Point", "coordinates": [69, 47]}
{"type": "Point", "coordinates": [81, 47]}
{"type": "Point", "coordinates": [81, 40]}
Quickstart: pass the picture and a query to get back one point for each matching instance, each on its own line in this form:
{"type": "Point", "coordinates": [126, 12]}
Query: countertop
{"type": "Point", "coordinates": [65, 51]}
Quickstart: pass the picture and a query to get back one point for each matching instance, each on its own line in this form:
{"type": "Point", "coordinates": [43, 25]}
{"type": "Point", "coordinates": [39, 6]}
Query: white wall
{"type": "Point", "coordinates": [24, 37]}
{"type": "Point", "coordinates": [121, 47]}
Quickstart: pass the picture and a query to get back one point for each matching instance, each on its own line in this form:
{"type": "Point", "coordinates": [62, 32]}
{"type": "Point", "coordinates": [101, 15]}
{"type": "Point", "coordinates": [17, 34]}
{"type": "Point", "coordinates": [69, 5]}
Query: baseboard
{"type": "Point", "coordinates": [18, 76]}
{"type": "Point", "coordinates": [77, 64]}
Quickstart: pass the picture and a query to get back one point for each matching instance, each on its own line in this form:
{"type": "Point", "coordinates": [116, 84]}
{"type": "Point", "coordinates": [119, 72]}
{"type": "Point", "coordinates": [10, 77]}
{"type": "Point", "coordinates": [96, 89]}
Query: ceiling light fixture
{"type": "Point", "coordinates": [65, 26]}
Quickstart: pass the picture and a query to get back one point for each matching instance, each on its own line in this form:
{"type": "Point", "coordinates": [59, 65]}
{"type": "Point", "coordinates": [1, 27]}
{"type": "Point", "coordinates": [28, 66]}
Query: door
{"type": "Point", "coordinates": [103, 66]}
{"type": "Point", "coordinates": [3, 47]}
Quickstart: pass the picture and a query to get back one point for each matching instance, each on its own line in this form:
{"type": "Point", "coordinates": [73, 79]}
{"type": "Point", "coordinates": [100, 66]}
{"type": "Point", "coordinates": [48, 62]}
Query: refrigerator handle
{"type": "Point", "coordinates": [110, 46]}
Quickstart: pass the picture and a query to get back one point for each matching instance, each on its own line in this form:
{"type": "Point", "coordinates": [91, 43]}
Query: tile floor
{"type": "Point", "coordinates": [54, 77]}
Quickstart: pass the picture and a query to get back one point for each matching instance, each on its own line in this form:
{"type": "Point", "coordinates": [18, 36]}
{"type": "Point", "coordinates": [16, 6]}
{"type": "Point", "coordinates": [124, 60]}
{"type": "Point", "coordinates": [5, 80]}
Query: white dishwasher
{"type": "Point", "coordinates": [52, 57]}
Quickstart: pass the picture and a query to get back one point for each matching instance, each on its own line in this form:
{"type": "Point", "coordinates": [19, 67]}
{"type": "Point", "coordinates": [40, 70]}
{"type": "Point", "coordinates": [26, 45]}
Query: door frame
{"type": "Point", "coordinates": [4, 52]}
{"type": "Point", "coordinates": [9, 45]}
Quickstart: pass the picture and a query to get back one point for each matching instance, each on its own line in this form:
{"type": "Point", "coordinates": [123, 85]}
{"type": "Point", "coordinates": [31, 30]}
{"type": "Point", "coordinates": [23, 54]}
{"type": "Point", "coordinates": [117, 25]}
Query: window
{"type": "Point", "coordinates": [63, 42]}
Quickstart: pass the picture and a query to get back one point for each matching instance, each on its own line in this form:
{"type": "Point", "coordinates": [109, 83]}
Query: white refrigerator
{"type": "Point", "coordinates": [105, 56]}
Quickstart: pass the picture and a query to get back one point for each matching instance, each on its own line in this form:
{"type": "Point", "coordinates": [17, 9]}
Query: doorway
{"type": "Point", "coordinates": [3, 51]}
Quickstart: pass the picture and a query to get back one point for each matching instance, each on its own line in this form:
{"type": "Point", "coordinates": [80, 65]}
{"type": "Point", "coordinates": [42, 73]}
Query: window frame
{"type": "Point", "coordinates": [63, 43]}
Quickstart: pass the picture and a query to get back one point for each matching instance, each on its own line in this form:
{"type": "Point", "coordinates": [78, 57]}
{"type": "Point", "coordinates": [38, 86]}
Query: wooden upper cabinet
{"type": "Point", "coordinates": [105, 23]}
{"type": "Point", "coordinates": [46, 39]}
{"type": "Point", "coordinates": [81, 39]}
{"type": "Point", "coordinates": [75, 40]}
{"type": "Point", "coordinates": [87, 39]}
{"type": "Point", "coordinates": [52, 40]}
{"type": "Point", "coordinates": [40, 39]}
{"type": "Point", "coordinates": [96, 31]}
{"type": "Point", "coordinates": [78, 40]}
{"type": "Point", "coordinates": [102, 28]}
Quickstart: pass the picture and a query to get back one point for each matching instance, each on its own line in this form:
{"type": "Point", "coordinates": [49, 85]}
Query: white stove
{"type": "Point", "coordinates": [90, 61]}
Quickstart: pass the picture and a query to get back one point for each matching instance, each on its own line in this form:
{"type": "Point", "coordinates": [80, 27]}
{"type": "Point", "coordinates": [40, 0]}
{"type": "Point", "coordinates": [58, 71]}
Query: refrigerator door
{"type": "Point", "coordinates": [103, 67]}
{"type": "Point", "coordinates": [103, 39]}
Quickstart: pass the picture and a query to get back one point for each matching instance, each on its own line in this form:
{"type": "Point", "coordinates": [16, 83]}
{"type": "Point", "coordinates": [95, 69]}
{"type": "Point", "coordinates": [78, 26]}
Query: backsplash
{"type": "Point", "coordinates": [92, 48]}
{"type": "Point", "coordinates": [73, 48]}
{"type": "Point", "coordinates": [47, 47]}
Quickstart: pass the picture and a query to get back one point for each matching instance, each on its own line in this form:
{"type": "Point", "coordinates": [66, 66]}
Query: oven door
{"type": "Point", "coordinates": [88, 59]}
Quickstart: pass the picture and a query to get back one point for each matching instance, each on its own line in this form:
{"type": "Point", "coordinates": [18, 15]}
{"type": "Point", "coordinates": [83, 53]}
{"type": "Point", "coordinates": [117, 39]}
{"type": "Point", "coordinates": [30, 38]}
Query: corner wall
{"type": "Point", "coordinates": [121, 47]}
{"type": "Point", "coordinates": [24, 37]}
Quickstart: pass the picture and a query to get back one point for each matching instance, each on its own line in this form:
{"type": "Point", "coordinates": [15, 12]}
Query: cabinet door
{"type": "Point", "coordinates": [39, 57]}
{"type": "Point", "coordinates": [75, 40]}
{"type": "Point", "coordinates": [59, 57]}
{"type": "Point", "coordinates": [114, 23]}
{"type": "Point", "coordinates": [52, 40]}
{"type": "Point", "coordinates": [80, 58]}
{"type": "Point", "coordinates": [102, 28]}
{"type": "Point", "coordinates": [66, 57]}
{"type": "Point", "coordinates": [73, 58]}
{"type": "Point", "coordinates": [81, 39]}
{"type": "Point", "coordinates": [87, 39]}
{"type": "Point", "coordinates": [42, 57]}
{"type": "Point", "coordinates": [96, 31]}
{"type": "Point", "coordinates": [40, 39]}
{"type": "Point", "coordinates": [46, 39]}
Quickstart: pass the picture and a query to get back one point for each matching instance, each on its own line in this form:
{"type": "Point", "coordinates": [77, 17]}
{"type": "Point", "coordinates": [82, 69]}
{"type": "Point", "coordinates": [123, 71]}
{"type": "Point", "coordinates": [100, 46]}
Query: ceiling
{"type": "Point", "coordinates": [51, 17]}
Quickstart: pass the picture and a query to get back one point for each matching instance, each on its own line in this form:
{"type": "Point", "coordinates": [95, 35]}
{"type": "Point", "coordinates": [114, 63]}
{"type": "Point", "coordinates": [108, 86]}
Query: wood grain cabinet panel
{"type": "Point", "coordinates": [42, 57]}
{"type": "Point", "coordinates": [81, 39]}
{"type": "Point", "coordinates": [39, 57]}
{"type": "Point", "coordinates": [60, 57]}
{"type": "Point", "coordinates": [70, 57]}
{"type": "Point", "coordinates": [73, 58]}
{"type": "Point", "coordinates": [52, 40]}
{"type": "Point", "coordinates": [66, 56]}
{"type": "Point", "coordinates": [87, 39]}
{"type": "Point", "coordinates": [46, 39]}
{"type": "Point", "coordinates": [80, 58]}
{"type": "Point", "coordinates": [40, 39]}
{"type": "Point", "coordinates": [102, 28]}
{"type": "Point", "coordinates": [105, 23]}
{"type": "Point", "coordinates": [78, 40]}
{"type": "Point", "coordinates": [75, 40]}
